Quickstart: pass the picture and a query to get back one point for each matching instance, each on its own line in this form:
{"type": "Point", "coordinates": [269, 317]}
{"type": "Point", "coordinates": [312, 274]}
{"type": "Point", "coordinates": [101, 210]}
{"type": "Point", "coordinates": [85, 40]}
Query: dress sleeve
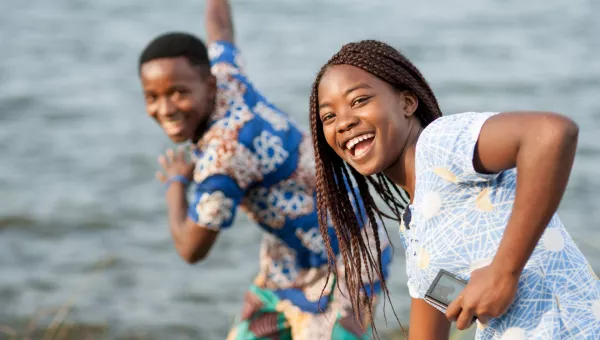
{"type": "Point", "coordinates": [448, 144]}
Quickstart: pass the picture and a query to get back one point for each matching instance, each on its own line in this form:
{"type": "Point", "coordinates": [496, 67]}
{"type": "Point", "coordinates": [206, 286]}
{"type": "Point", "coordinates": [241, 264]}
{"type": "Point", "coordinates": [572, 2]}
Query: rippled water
{"type": "Point", "coordinates": [81, 217]}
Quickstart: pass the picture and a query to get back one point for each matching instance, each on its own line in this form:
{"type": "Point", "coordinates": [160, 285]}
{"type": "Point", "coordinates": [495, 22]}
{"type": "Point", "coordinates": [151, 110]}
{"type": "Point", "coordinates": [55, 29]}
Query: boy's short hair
{"type": "Point", "coordinates": [177, 44]}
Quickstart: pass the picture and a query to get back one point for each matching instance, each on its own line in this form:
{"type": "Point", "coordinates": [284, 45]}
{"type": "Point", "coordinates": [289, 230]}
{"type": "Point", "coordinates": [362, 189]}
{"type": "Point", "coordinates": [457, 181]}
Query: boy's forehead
{"type": "Point", "coordinates": [174, 68]}
{"type": "Point", "coordinates": [154, 67]}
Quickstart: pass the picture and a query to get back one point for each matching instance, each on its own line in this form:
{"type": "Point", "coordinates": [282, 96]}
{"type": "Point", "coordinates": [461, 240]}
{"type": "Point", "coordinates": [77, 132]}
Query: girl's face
{"type": "Point", "coordinates": [365, 120]}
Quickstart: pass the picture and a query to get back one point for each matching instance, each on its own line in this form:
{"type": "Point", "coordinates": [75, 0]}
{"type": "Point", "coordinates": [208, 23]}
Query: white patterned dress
{"type": "Point", "coordinates": [457, 221]}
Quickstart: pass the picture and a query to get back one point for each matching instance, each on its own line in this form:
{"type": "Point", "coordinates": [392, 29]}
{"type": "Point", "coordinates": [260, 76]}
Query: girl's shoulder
{"type": "Point", "coordinates": [456, 123]}
{"type": "Point", "coordinates": [448, 144]}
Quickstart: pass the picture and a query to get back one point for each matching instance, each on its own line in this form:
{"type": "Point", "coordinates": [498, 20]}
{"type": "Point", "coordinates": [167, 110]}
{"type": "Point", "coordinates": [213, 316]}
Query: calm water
{"type": "Point", "coordinates": [82, 220]}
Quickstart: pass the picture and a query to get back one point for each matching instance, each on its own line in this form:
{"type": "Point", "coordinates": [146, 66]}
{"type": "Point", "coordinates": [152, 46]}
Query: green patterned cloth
{"type": "Point", "coordinates": [265, 316]}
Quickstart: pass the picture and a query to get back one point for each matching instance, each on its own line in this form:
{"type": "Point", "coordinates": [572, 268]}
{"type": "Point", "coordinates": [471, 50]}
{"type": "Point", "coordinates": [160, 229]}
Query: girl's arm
{"type": "Point", "coordinates": [541, 145]}
{"type": "Point", "coordinates": [426, 322]}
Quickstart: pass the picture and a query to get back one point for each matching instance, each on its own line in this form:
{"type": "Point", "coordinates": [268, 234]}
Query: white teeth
{"type": "Point", "coordinates": [173, 124]}
{"type": "Point", "coordinates": [351, 143]}
{"type": "Point", "coordinates": [174, 119]}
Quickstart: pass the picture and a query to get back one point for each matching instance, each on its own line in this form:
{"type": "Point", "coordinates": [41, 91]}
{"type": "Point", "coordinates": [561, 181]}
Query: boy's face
{"type": "Point", "coordinates": [179, 96]}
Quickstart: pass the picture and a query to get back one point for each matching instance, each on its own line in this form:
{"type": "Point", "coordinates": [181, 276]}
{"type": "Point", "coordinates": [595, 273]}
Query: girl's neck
{"type": "Point", "coordinates": [402, 171]}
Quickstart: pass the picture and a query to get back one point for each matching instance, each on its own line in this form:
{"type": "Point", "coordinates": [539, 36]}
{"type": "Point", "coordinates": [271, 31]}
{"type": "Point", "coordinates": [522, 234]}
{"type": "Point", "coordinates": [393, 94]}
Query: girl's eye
{"type": "Point", "coordinates": [327, 117]}
{"type": "Point", "coordinates": [359, 100]}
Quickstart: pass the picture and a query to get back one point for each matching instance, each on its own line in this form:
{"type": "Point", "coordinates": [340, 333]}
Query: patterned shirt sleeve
{"type": "Point", "coordinates": [448, 146]}
{"type": "Point", "coordinates": [223, 173]}
{"type": "Point", "coordinates": [225, 59]}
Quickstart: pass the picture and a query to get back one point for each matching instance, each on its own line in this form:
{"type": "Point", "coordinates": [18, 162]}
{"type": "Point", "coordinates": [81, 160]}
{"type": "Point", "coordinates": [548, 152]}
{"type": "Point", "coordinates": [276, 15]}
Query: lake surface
{"type": "Point", "coordinates": [82, 220]}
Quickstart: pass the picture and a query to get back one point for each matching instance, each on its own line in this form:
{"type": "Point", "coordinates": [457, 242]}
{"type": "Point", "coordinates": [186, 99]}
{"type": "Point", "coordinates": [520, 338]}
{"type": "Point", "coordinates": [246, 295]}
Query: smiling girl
{"type": "Point", "coordinates": [484, 189]}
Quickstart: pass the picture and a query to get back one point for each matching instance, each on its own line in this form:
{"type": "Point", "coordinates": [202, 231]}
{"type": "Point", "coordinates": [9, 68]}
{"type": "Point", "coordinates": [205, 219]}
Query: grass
{"type": "Point", "coordinates": [56, 327]}
{"type": "Point", "coordinates": [454, 334]}
{"type": "Point", "coordinates": [29, 330]}
{"type": "Point", "coordinates": [65, 331]}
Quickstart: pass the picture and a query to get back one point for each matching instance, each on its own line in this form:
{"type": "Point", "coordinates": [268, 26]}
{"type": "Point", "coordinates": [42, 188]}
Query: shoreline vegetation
{"type": "Point", "coordinates": [53, 324]}
{"type": "Point", "coordinates": [38, 328]}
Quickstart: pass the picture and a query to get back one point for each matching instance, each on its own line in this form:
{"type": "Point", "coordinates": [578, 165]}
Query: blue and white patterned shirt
{"type": "Point", "coordinates": [254, 157]}
{"type": "Point", "coordinates": [457, 221]}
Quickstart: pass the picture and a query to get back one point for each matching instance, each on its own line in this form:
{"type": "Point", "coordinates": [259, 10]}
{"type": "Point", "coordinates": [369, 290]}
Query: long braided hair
{"type": "Point", "coordinates": [333, 196]}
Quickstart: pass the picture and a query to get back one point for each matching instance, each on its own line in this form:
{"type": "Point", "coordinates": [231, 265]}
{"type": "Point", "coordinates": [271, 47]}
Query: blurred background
{"type": "Point", "coordinates": [84, 243]}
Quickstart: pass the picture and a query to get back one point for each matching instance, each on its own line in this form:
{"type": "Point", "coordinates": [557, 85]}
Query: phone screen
{"type": "Point", "coordinates": [447, 289]}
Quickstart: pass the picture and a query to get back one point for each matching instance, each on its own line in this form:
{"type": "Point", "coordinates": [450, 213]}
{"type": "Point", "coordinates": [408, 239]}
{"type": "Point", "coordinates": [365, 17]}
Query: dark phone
{"type": "Point", "coordinates": [445, 288]}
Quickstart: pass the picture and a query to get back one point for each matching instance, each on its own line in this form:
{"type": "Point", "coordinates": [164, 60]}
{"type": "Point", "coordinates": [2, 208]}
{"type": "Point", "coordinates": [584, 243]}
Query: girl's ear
{"type": "Point", "coordinates": [410, 103]}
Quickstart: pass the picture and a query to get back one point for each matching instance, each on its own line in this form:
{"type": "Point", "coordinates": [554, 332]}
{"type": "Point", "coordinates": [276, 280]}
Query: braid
{"type": "Point", "coordinates": [333, 195]}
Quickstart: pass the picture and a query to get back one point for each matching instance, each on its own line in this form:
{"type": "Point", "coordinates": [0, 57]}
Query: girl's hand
{"type": "Point", "coordinates": [488, 294]}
